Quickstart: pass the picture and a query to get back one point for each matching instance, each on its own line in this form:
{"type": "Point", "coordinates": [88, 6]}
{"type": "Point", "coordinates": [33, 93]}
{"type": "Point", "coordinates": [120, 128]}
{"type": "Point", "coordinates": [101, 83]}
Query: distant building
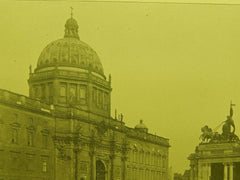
{"type": "Point", "coordinates": [218, 156]}
{"type": "Point", "coordinates": [64, 130]}
{"type": "Point", "coordinates": [178, 176]}
{"type": "Point", "coordinates": [186, 175]}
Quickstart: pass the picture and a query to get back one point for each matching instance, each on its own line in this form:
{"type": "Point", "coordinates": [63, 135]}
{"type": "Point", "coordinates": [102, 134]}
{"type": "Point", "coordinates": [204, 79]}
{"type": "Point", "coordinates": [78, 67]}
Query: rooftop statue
{"type": "Point", "coordinates": [228, 131]}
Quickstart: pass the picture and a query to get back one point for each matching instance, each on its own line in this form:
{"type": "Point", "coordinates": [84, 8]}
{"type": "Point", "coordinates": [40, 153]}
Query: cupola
{"type": "Point", "coordinates": [141, 127]}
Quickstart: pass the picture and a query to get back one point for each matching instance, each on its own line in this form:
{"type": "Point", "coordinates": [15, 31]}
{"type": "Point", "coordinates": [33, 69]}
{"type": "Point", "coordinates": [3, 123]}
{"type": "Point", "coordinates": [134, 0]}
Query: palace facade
{"type": "Point", "coordinates": [64, 129]}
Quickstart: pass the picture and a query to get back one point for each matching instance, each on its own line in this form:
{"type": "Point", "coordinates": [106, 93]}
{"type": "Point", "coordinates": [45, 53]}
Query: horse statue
{"type": "Point", "coordinates": [207, 134]}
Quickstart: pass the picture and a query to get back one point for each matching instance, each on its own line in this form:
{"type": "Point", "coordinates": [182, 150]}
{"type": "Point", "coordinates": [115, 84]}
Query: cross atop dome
{"type": "Point", "coordinates": [71, 11]}
{"type": "Point", "coordinates": [71, 27]}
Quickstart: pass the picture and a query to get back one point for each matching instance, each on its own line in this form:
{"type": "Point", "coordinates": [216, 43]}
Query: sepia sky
{"type": "Point", "coordinates": [176, 66]}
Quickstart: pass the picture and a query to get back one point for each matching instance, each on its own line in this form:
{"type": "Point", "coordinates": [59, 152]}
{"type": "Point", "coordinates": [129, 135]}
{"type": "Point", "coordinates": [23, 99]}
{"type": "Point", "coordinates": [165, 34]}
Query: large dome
{"type": "Point", "coordinates": [70, 52]}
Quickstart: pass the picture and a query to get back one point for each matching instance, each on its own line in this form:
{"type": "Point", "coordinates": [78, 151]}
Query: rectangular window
{"type": "Point", "coordinates": [164, 161]}
{"type": "Point", "coordinates": [30, 165]}
{"type": "Point", "coordinates": [43, 91]}
{"type": "Point", "coordinates": [45, 140]}
{"type": "Point", "coordinates": [14, 160]}
{"type": "Point", "coordinates": [44, 166]}
{"type": "Point", "coordinates": [95, 96]}
{"type": "Point", "coordinates": [14, 139]}
{"type": "Point", "coordinates": [83, 94]}
{"type": "Point", "coordinates": [30, 138]}
{"type": "Point", "coordinates": [2, 159]}
{"type": "Point", "coordinates": [100, 98]}
{"type": "Point", "coordinates": [50, 89]}
{"type": "Point", "coordinates": [36, 92]}
{"type": "Point", "coordinates": [105, 101]}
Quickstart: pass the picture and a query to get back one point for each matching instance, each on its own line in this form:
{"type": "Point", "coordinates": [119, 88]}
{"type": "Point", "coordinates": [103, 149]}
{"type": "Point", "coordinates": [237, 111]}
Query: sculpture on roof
{"type": "Point", "coordinates": [207, 134]}
{"type": "Point", "coordinates": [228, 131]}
{"type": "Point", "coordinates": [228, 124]}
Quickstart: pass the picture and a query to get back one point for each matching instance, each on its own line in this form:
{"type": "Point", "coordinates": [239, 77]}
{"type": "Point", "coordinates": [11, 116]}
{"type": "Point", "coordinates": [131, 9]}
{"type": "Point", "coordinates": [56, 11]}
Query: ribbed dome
{"type": "Point", "coordinates": [70, 52]}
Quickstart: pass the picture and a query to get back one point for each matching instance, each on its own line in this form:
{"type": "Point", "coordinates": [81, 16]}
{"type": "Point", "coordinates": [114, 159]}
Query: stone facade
{"type": "Point", "coordinates": [64, 129]}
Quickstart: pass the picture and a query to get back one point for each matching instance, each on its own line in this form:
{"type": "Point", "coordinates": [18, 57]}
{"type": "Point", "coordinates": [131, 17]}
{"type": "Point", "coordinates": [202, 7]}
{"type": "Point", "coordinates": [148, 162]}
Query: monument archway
{"type": "Point", "coordinates": [100, 170]}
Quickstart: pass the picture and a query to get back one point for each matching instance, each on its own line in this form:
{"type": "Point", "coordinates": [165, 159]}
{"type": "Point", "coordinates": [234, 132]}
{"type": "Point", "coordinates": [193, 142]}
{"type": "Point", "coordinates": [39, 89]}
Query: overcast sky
{"type": "Point", "coordinates": [176, 66]}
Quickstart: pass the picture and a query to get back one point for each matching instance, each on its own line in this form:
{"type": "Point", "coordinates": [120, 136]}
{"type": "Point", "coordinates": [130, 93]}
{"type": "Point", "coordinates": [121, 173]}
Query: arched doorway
{"type": "Point", "coordinates": [100, 170]}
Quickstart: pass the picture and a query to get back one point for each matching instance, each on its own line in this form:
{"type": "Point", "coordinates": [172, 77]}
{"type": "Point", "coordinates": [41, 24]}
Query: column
{"type": "Point", "coordinates": [192, 172]}
{"type": "Point", "coordinates": [196, 172]}
{"type": "Point", "coordinates": [205, 171]}
{"type": "Point", "coordinates": [112, 166]}
{"type": "Point", "coordinates": [225, 171]}
{"type": "Point", "coordinates": [93, 165]}
{"type": "Point", "coordinates": [55, 90]}
{"type": "Point", "coordinates": [77, 151]}
{"type": "Point", "coordinates": [209, 171]}
{"type": "Point", "coordinates": [124, 170]}
{"type": "Point", "coordinates": [200, 172]}
{"type": "Point", "coordinates": [76, 163]}
{"type": "Point", "coordinates": [231, 171]}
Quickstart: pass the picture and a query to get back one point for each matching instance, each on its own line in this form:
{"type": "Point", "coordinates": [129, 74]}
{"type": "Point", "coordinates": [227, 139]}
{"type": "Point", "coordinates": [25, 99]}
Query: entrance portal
{"type": "Point", "coordinates": [100, 170]}
{"type": "Point", "coordinates": [217, 171]}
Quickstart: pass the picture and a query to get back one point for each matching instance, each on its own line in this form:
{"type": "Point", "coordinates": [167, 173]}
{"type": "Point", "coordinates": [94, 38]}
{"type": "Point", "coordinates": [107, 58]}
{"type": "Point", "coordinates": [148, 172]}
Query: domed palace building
{"type": "Point", "coordinates": [64, 129]}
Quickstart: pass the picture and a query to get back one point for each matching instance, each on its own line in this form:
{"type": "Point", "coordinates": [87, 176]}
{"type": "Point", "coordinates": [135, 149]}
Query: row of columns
{"type": "Point", "coordinates": [228, 171]}
{"type": "Point", "coordinates": [204, 172]}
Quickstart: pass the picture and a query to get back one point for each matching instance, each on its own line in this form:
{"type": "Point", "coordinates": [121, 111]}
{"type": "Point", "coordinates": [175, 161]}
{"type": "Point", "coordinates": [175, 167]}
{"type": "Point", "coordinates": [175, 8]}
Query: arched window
{"type": "Point", "coordinates": [63, 93]}
{"type": "Point", "coordinates": [72, 93]}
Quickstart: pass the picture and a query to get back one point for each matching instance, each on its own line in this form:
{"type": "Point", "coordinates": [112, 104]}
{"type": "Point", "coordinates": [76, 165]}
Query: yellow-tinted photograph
{"type": "Point", "coordinates": [120, 90]}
